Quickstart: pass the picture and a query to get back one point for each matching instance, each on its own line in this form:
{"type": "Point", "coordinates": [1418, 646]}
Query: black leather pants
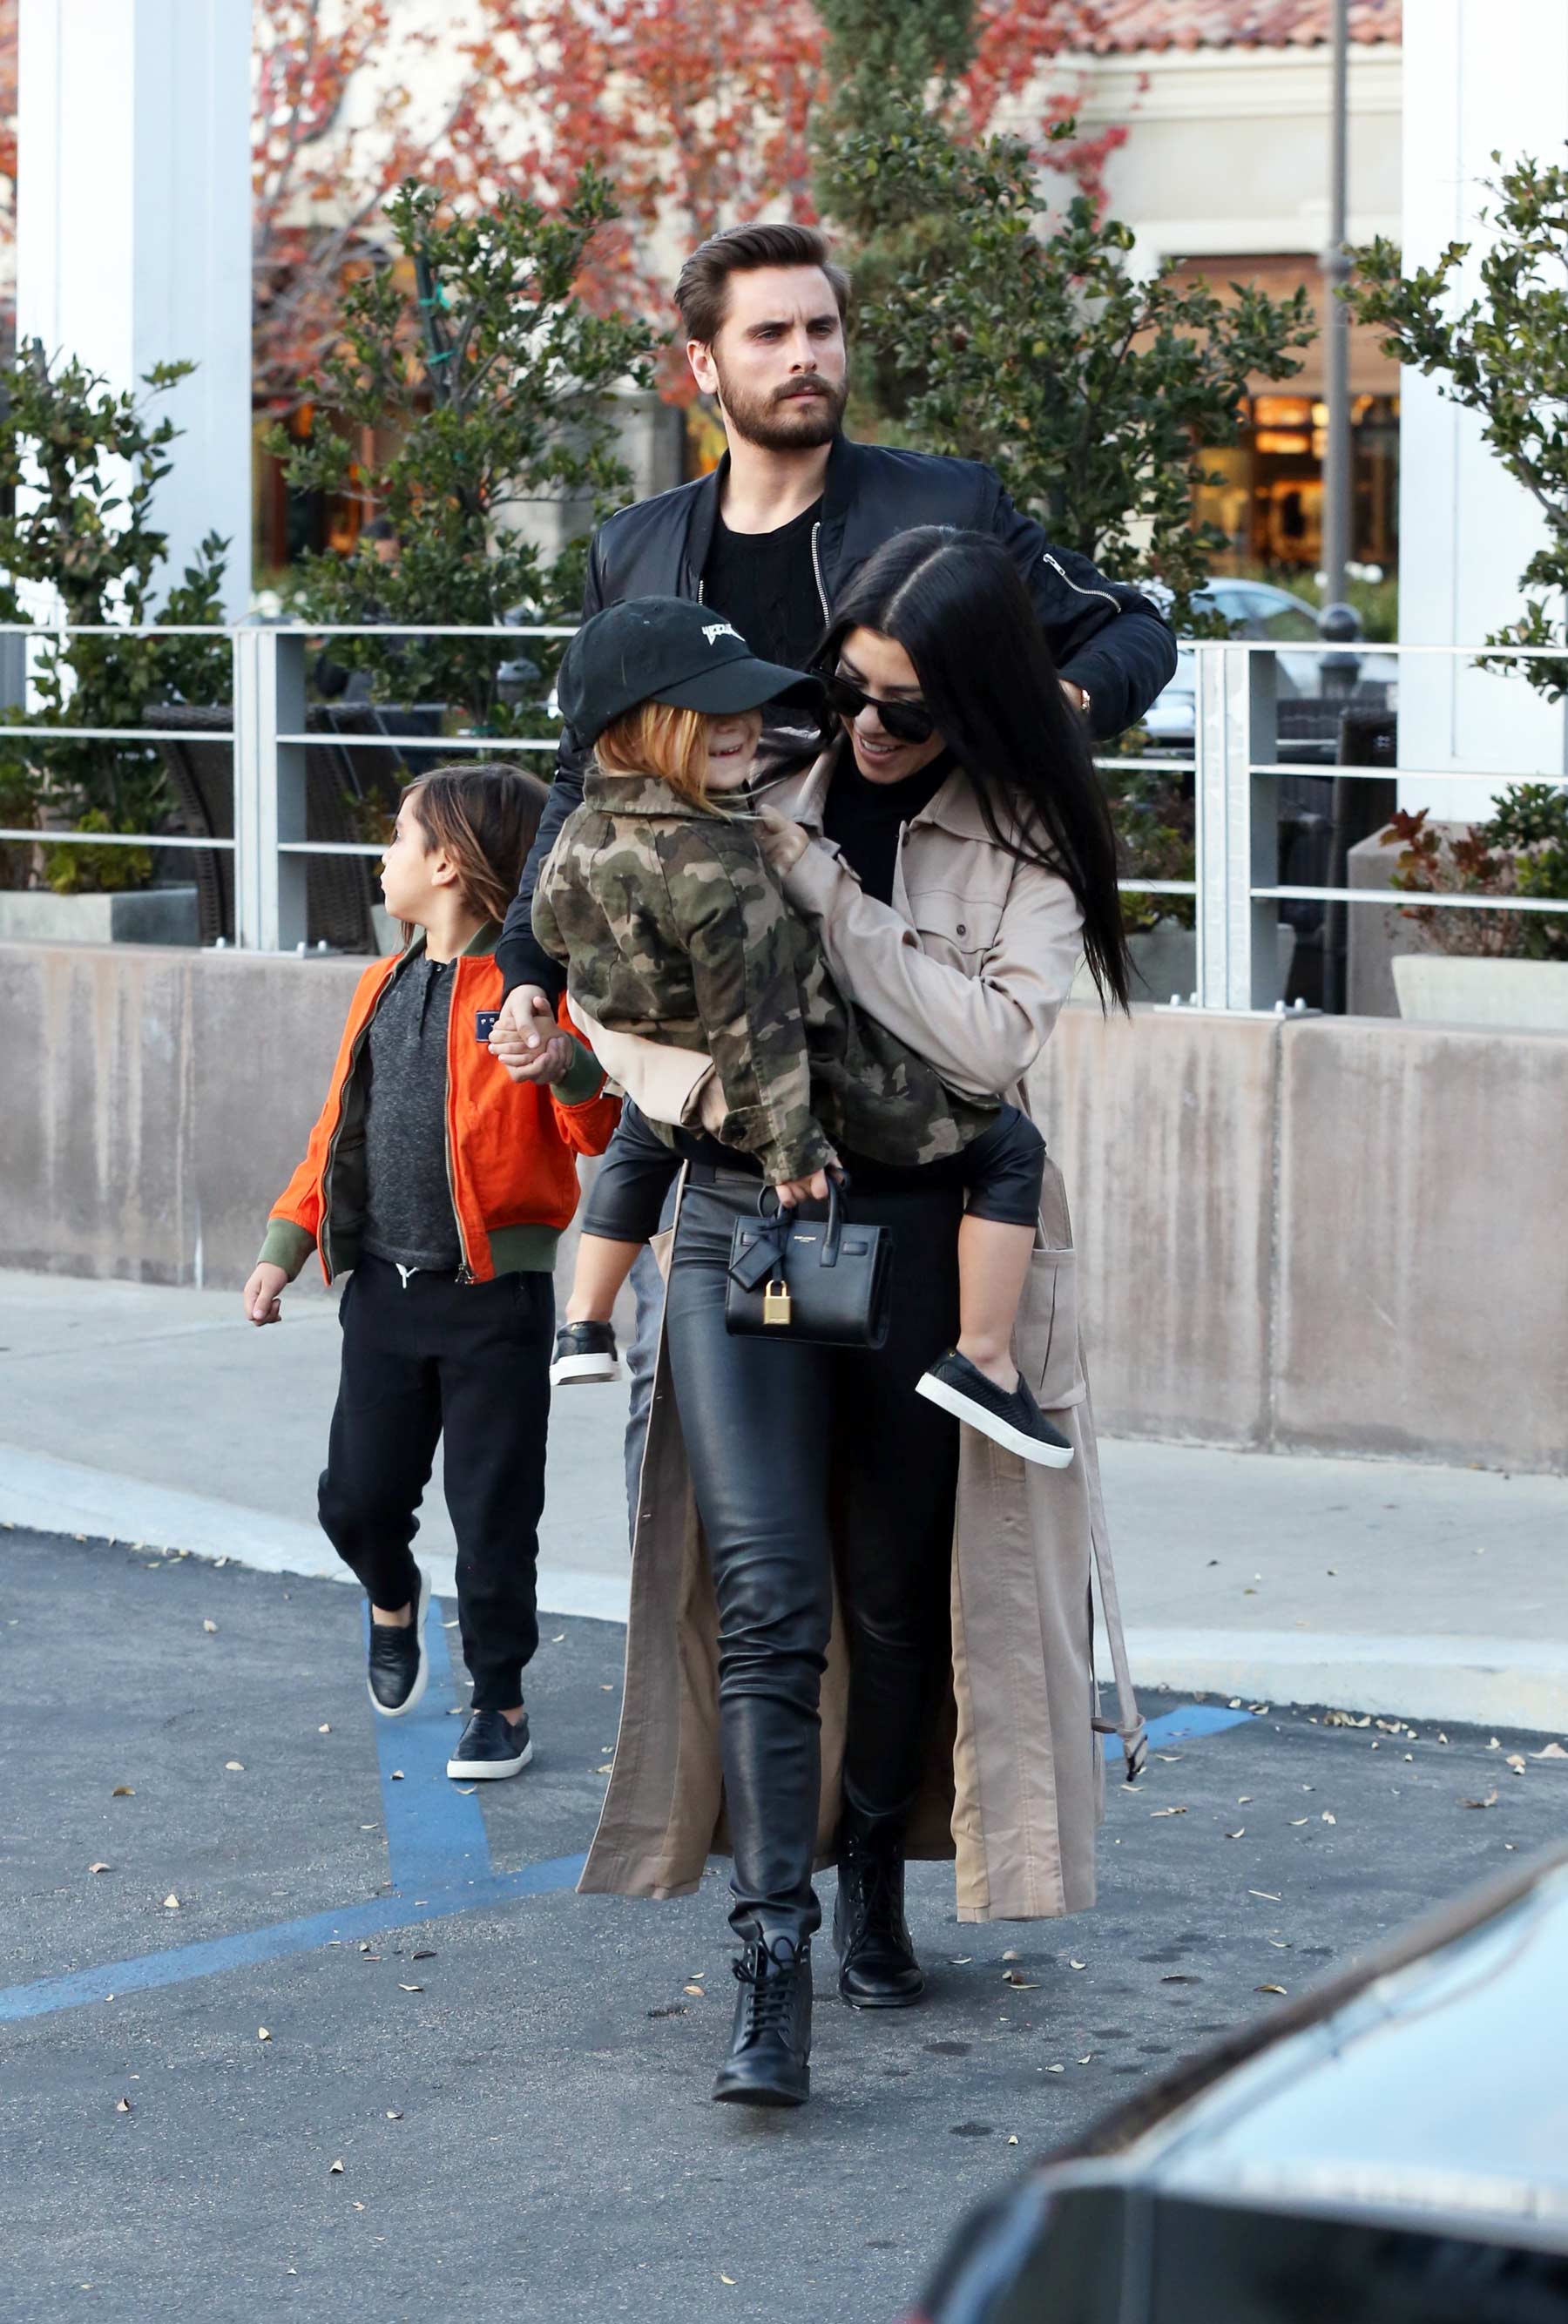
{"type": "Point", "coordinates": [795, 1451]}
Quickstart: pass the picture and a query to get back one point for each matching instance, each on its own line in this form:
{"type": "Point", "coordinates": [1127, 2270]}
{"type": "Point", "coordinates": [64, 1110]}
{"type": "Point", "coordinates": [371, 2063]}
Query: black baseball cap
{"type": "Point", "coordinates": [666, 650]}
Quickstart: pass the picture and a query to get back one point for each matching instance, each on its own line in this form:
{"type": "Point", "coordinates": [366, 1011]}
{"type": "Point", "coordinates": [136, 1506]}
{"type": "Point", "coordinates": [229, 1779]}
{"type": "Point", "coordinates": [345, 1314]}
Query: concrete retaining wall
{"type": "Point", "coordinates": [1336, 1235]}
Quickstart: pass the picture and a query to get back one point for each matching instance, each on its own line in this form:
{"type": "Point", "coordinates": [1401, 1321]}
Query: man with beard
{"type": "Point", "coordinates": [792, 511]}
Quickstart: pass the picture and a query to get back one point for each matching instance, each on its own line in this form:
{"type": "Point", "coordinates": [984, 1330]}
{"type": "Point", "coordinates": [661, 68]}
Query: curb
{"type": "Point", "coordinates": [1467, 1680]}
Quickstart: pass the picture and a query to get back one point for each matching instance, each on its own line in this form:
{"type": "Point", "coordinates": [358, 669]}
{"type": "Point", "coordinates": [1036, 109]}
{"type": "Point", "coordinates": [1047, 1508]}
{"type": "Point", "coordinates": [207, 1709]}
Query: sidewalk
{"type": "Point", "coordinates": [159, 1416]}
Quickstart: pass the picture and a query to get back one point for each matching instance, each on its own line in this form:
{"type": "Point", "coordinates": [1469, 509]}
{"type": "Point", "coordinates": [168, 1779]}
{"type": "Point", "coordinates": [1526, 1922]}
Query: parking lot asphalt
{"type": "Point", "coordinates": [322, 1954]}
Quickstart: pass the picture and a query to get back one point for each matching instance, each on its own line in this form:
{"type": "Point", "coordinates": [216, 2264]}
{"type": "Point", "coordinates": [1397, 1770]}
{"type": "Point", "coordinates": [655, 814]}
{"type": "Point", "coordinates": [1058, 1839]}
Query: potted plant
{"type": "Point", "coordinates": [1499, 967]}
{"type": "Point", "coordinates": [80, 465]}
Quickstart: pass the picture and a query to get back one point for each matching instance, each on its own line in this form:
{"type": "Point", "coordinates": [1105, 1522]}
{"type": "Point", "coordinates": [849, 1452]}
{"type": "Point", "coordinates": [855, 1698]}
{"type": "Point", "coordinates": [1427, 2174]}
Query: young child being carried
{"type": "Point", "coordinates": [444, 1187]}
{"type": "Point", "coordinates": [660, 902]}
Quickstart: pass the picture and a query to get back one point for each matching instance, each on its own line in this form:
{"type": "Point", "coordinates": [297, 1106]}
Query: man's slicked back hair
{"type": "Point", "coordinates": [702, 291]}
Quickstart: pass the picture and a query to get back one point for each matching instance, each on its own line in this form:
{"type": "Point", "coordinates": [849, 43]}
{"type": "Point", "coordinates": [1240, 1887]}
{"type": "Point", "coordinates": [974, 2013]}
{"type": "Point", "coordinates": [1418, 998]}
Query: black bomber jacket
{"type": "Point", "coordinates": [1104, 637]}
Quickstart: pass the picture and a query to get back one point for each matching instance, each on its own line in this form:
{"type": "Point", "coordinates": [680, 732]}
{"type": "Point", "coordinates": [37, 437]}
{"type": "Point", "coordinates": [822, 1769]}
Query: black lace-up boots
{"type": "Point", "coordinates": [876, 1968]}
{"type": "Point", "coordinates": [771, 2045]}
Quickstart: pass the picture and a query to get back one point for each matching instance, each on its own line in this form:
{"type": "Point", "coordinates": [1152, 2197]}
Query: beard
{"type": "Point", "coordinates": [784, 421]}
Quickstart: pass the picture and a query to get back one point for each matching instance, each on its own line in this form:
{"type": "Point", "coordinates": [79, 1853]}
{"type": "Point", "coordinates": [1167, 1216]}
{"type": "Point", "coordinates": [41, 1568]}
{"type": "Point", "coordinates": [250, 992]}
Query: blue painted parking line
{"type": "Point", "coordinates": [435, 1832]}
{"type": "Point", "coordinates": [250, 1947]}
{"type": "Point", "coordinates": [436, 1845]}
{"type": "Point", "coordinates": [1195, 1720]}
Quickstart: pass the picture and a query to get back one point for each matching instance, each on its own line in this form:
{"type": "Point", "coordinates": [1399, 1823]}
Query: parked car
{"type": "Point", "coordinates": [1256, 609]}
{"type": "Point", "coordinates": [1392, 2149]}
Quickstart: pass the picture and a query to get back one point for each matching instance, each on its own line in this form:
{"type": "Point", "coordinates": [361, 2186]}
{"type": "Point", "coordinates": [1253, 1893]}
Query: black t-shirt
{"type": "Point", "coordinates": [864, 819]}
{"type": "Point", "coordinates": [766, 584]}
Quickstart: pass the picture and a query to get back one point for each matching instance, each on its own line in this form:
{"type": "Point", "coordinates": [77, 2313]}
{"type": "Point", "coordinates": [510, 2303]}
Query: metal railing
{"type": "Point", "coordinates": [1236, 769]}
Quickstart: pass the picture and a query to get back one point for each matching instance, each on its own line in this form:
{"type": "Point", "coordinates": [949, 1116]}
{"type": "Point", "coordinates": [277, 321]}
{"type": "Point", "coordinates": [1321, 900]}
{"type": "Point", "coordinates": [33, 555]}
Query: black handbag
{"type": "Point", "coordinates": [825, 1280]}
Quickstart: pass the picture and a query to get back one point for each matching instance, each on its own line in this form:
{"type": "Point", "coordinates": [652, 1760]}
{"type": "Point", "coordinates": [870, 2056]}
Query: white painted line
{"type": "Point", "coordinates": [1470, 1680]}
{"type": "Point", "coordinates": [1482, 1681]}
{"type": "Point", "coordinates": [49, 1495]}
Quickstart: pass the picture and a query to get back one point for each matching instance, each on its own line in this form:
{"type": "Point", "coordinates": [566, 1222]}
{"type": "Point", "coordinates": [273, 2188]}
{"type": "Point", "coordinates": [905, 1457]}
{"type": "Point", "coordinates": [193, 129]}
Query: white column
{"type": "Point", "coordinates": [1481, 76]}
{"type": "Point", "coordinates": [134, 232]}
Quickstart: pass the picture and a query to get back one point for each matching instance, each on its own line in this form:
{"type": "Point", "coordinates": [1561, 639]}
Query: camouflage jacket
{"type": "Point", "coordinates": [672, 925]}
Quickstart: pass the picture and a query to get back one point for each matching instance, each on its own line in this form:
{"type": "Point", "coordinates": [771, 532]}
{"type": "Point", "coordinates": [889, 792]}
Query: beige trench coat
{"type": "Point", "coordinates": [971, 966]}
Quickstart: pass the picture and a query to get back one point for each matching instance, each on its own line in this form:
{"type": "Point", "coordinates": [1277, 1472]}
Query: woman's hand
{"type": "Point", "coordinates": [263, 1295]}
{"type": "Point", "coordinates": [783, 843]}
{"type": "Point", "coordinates": [791, 1191]}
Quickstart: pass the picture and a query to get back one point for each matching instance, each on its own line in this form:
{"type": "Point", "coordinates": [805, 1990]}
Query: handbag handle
{"type": "Point", "coordinates": [777, 1220]}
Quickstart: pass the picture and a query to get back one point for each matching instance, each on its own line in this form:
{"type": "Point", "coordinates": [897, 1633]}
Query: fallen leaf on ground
{"type": "Point", "coordinates": [725, 2279]}
{"type": "Point", "coordinates": [262, 2035]}
{"type": "Point", "coordinates": [425, 1953]}
{"type": "Point", "coordinates": [211, 1629]}
{"type": "Point", "coordinates": [1077, 1964]}
{"type": "Point", "coordinates": [1297, 1822]}
{"type": "Point", "coordinates": [449, 1626]}
{"type": "Point", "coordinates": [397, 1774]}
{"type": "Point", "coordinates": [1269, 1989]}
{"type": "Point", "coordinates": [1552, 1751]}
{"type": "Point", "coordinates": [1056, 2070]}
{"type": "Point", "coordinates": [558, 1637]}
{"type": "Point", "coordinates": [607, 1769]}
{"type": "Point", "coordinates": [393, 2115]}
{"type": "Point", "coordinates": [122, 2106]}
{"type": "Point", "coordinates": [100, 1867]}
{"type": "Point", "coordinates": [337, 2167]}
{"type": "Point", "coordinates": [172, 1903]}
{"type": "Point", "coordinates": [325, 1729]}
{"type": "Point", "coordinates": [358, 2205]}
{"type": "Point", "coordinates": [1267, 1895]}
{"type": "Point", "coordinates": [1490, 1800]}
{"type": "Point", "coordinates": [1240, 1833]}
{"type": "Point", "coordinates": [1011, 1953]}
{"type": "Point", "coordinates": [1516, 1762]}
{"type": "Point", "coordinates": [1012, 2139]}
{"type": "Point", "coordinates": [1329, 1819]}
{"type": "Point", "coordinates": [698, 1990]}
{"type": "Point", "coordinates": [122, 1792]}
{"type": "Point", "coordinates": [1155, 1814]}
{"type": "Point", "coordinates": [235, 1767]}
{"type": "Point", "coordinates": [1088, 2061]}
{"type": "Point", "coordinates": [1177, 1977]}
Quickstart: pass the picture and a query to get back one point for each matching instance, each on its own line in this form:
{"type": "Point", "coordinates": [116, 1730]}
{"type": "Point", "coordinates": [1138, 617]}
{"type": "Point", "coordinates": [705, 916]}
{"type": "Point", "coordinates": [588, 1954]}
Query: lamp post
{"type": "Point", "coordinates": [1336, 268]}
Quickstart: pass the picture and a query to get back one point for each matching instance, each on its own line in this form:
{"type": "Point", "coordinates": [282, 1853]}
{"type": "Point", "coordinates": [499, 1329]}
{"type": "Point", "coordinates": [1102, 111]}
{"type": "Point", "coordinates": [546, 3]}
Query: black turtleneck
{"type": "Point", "coordinates": [864, 819]}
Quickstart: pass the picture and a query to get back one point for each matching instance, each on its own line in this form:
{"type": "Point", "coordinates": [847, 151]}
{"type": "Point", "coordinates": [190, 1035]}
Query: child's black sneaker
{"type": "Point", "coordinates": [584, 1352]}
{"type": "Point", "coordinates": [490, 1745]}
{"type": "Point", "coordinates": [1009, 1417]}
{"type": "Point", "coordinates": [397, 1669]}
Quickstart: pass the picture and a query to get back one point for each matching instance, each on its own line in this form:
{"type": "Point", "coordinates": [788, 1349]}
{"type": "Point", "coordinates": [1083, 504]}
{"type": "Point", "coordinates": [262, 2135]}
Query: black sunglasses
{"type": "Point", "coordinates": [906, 722]}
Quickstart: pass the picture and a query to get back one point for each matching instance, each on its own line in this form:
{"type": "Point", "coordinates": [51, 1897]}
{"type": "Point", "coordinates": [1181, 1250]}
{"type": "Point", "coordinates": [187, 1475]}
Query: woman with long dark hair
{"type": "Point", "coordinates": [899, 1659]}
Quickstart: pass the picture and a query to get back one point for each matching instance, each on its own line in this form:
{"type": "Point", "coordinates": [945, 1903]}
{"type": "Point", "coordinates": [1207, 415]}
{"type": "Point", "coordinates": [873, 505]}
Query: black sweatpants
{"type": "Point", "coordinates": [794, 1447]}
{"type": "Point", "coordinates": [469, 1361]}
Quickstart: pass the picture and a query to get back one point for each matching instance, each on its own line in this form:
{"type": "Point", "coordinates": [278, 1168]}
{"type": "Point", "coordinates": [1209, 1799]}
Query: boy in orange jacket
{"type": "Point", "coordinates": [444, 1187]}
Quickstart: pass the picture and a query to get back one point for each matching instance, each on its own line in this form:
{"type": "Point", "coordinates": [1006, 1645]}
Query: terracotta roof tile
{"type": "Point", "coordinates": [1114, 26]}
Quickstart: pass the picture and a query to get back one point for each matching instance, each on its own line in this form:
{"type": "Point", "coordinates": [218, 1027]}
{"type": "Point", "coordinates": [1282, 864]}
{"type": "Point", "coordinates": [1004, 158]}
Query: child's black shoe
{"type": "Point", "coordinates": [397, 1669]}
{"type": "Point", "coordinates": [1010, 1417]}
{"type": "Point", "coordinates": [584, 1353]}
{"type": "Point", "coordinates": [490, 1745]}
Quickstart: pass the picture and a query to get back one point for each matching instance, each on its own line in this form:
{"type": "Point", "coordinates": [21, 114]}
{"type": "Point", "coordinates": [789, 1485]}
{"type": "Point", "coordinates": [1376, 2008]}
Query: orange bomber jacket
{"type": "Point", "coordinates": [511, 1147]}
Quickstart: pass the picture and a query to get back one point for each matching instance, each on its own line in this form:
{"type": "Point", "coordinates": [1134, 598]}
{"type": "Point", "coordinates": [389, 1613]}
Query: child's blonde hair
{"type": "Point", "coordinates": [658, 738]}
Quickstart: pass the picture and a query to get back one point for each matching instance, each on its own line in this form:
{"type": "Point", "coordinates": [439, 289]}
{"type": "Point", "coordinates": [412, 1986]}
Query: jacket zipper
{"type": "Point", "coordinates": [817, 568]}
{"type": "Point", "coordinates": [1046, 558]}
{"type": "Point", "coordinates": [466, 1270]}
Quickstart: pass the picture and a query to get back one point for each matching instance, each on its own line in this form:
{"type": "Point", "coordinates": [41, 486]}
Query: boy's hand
{"type": "Point", "coordinates": [263, 1295]}
{"type": "Point", "coordinates": [525, 1038]}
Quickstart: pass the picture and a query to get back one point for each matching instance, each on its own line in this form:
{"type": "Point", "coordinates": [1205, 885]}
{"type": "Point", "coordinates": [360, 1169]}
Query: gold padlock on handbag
{"type": "Point", "coordinates": [775, 1303]}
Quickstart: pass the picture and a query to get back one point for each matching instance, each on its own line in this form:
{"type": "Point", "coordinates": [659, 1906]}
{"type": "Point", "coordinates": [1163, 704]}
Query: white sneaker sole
{"type": "Point", "coordinates": [423, 1675]}
{"type": "Point", "coordinates": [578, 1372]}
{"type": "Point", "coordinates": [467, 1771]}
{"type": "Point", "coordinates": [1001, 1432]}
